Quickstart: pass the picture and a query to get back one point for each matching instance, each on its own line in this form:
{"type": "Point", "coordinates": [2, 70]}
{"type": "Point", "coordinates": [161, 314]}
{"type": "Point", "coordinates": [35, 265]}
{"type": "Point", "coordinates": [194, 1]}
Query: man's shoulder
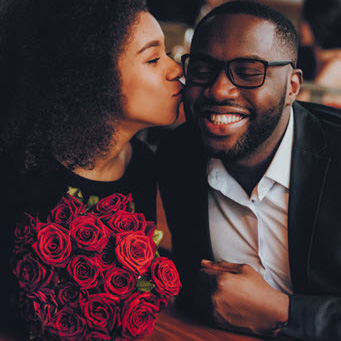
{"type": "Point", "coordinates": [182, 142]}
{"type": "Point", "coordinates": [180, 155]}
{"type": "Point", "coordinates": [322, 126]}
{"type": "Point", "coordinates": [321, 112]}
{"type": "Point", "coordinates": [178, 135]}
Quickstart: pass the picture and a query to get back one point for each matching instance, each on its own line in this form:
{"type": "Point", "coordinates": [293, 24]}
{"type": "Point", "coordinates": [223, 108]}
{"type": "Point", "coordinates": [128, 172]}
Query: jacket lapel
{"type": "Point", "coordinates": [205, 239]}
{"type": "Point", "coordinates": [309, 166]}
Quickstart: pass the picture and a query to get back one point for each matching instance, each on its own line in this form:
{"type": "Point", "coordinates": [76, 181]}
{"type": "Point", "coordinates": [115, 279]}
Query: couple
{"type": "Point", "coordinates": [250, 181]}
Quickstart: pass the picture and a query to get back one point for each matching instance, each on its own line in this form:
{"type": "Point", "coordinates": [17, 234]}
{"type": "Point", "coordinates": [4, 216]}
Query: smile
{"type": "Point", "coordinates": [218, 119]}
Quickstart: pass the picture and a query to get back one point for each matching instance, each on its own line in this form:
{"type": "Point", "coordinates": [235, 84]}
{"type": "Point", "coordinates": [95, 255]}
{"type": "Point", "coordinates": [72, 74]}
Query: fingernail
{"type": "Point", "coordinates": [205, 261]}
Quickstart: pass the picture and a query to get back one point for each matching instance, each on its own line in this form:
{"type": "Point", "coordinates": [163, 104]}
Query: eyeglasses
{"type": "Point", "coordinates": [246, 73]}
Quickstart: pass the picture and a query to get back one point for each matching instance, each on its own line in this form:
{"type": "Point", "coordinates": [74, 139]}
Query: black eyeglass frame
{"type": "Point", "coordinates": [225, 65]}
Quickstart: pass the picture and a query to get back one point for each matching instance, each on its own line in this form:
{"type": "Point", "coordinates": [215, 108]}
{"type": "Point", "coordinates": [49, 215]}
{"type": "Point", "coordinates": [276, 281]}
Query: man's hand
{"type": "Point", "coordinates": [244, 299]}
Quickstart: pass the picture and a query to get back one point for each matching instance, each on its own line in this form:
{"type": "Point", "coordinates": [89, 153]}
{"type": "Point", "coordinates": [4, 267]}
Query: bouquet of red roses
{"type": "Point", "coordinates": [92, 272]}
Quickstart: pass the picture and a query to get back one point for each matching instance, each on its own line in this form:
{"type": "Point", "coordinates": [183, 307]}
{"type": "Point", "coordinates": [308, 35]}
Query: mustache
{"type": "Point", "coordinates": [227, 103]}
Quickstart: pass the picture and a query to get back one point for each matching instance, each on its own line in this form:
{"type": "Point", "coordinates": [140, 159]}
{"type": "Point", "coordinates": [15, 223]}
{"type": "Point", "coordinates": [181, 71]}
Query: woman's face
{"type": "Point", "coordinates": [149, 78]}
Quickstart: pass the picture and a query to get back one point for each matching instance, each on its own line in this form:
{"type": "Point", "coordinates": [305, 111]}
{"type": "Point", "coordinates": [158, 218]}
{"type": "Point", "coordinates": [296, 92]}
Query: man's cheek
{"type": "Point", "coordinates": [190, 97]}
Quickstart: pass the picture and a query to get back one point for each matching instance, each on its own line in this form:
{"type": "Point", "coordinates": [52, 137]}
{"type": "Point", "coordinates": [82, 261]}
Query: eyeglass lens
{"type": "Point", "coordinates": [248, 73]}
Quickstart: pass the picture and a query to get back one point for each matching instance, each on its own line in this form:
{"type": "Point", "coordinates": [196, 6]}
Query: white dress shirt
{"type": "Point", "coordinates": [253, 230]}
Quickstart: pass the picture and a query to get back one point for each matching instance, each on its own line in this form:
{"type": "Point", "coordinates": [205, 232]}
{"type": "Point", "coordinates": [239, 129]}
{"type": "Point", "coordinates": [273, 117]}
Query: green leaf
{"type": "Point", "coordinates": [157, 255]}
{"type": "Point", "coordinates": [132, 205]}
{"type": "Point", "coordinates": [92, 202]}
{"type": "Point", "coordinates": [157, 237]}
{"type": "Point", "coordinates": [75, 192]}
{"type": "Point", "coordinates": [144, 285]}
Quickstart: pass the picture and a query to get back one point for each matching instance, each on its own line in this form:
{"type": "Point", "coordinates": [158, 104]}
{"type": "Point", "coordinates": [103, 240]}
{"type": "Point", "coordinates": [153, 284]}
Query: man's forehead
{"type": "Point", "coordinates": [237, 31]}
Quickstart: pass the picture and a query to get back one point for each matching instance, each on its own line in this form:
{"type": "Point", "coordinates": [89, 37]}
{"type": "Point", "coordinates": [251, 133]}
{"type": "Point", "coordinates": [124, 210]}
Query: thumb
{"type": "Point", "coordinates": [222, 266]}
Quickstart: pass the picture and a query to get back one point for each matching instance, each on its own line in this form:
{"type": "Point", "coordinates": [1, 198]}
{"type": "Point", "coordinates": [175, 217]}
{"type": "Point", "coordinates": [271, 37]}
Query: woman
{"type": "Point", "coordinates": [78, 80]}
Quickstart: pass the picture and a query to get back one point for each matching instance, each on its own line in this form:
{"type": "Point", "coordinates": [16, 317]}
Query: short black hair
{"type": "Point", "coordinates": [284, 28]}
{"type": "Point", "coordinates": [60, 89]}
{"type": "Point", "coordinates": [324, 19]}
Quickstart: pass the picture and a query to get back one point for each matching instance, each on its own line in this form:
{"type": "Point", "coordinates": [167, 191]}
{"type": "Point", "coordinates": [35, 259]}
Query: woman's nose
{"type": "Point", "coordinates": [174, 71]}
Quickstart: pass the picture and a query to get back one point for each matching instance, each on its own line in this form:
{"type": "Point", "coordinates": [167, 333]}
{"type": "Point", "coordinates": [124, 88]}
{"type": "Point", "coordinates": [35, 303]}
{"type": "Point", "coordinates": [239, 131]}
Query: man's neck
{"type": "Point", "coordinates": [249, 176]}
{"type": "Point", "coordinates": [249, 170]}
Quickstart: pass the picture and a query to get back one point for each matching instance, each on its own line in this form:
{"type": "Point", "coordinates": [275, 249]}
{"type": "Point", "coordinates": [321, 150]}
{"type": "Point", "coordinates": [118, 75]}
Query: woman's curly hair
{"type": "Point", "coordinates": [60, 91]}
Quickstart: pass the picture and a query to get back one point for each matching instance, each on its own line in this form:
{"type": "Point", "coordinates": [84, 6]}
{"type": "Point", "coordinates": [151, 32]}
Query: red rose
{"type": "Point", "coordinates": [119, 281]}
{"type": "Point", "coordinates": [157, 301]}
{"type": "Point", "coordinates": [98, 336]}
{"type": "Point", "coordinates": [89, 233]}
{"type": "Point", "coordinates": [24, 232]}
{"type": "Point", "coordinates": [38, 307]}
{"type": "Point", "coordinates": [53, 244]}
{"type": "Point", "coordinates": [101, 311]}
{"type": "Point", "coordinates": [84, 270]}
{"type": "Point", "coordinates": [165, 276]}
{"type": "Point", "coordinates": [106, 258]}
{"type": "Point", "coordinates": [66, 210]}
{"type": "Point", "coordinates": [68, 325]}
{"type": "Point", "coordinates": [123, 221]}
{"type": "Point", "coordinates": [139, 315]}
{"type": "Point", "coordinates": [32, 274]}
{"type": "Point", "coordinates": [135, 251]}
{"type": "Point", "coordinates": [69, 294]}
{"type": "Point", "coordinates": [44, 304]}
{"type": "Point", "coordinates": [109, 205]}
{"type": "Point", "coordinates": [150, 228]}
{"type": "Point", "coordinates": [28, 309]}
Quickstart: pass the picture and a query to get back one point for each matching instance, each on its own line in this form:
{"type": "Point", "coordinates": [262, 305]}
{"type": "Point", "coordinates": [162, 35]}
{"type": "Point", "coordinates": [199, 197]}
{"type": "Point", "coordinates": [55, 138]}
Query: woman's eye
{"type": "Point", "coordinates": [153, 61]}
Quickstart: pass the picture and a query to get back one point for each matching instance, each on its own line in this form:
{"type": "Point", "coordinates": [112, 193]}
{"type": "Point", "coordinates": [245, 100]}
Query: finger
{"type": "Point", "coordinates": [212, 272]}
{"type": "Point", "coordinates": [207, 279]}
{"type": "Point", "coordinates": [222, 266]}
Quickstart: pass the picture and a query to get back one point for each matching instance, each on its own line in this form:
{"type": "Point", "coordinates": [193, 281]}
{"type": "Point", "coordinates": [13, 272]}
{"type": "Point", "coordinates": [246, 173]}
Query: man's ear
{"type": "Point", "coordinates": [295, 81]}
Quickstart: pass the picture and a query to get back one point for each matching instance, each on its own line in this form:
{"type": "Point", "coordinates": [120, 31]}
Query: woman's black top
{"type": "Point", "coordinates": [38, 192]}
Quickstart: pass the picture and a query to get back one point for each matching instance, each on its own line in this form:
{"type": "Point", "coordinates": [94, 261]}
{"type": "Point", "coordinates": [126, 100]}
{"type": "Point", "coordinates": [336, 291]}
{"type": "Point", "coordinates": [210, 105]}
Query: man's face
{"type": "Point", "coordinates": [236, 122]}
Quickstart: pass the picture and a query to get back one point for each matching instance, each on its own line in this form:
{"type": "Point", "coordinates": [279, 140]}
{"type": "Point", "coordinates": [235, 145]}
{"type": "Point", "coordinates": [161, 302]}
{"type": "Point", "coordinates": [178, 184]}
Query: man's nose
{"type": "Point", "coordinates": [222, 88]}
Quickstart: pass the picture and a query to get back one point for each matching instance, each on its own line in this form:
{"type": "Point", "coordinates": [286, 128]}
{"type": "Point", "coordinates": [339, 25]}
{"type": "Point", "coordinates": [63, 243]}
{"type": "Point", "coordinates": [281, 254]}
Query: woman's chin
{"type": "Point", "coordinates": [168, 119]}
{"type": "Point", "coordinates": [180, 119]}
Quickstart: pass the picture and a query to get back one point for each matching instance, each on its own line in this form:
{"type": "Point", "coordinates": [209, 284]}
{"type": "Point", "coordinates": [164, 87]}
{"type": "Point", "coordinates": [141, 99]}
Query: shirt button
{"type": "Point", "coordinates": [253, 200]}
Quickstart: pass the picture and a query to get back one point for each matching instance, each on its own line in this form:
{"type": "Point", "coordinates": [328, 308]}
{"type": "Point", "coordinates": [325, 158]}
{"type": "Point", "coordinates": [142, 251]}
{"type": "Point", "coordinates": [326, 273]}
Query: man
{"type": "Point", "coordinates": [251, 183]}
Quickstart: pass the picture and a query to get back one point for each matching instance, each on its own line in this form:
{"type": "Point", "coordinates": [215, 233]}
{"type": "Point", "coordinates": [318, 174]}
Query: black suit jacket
{"type": "Point", "coordinates": [314, 217]}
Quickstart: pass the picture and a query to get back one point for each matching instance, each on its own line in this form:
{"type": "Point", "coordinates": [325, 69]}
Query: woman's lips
{"type": "Point", "coordinates": [178, 93]}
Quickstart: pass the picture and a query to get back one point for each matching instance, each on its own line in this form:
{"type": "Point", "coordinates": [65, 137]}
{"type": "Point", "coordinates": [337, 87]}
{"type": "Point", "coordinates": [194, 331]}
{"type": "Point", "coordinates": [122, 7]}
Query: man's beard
{"type": "Point", "coordinates": [252, 138]}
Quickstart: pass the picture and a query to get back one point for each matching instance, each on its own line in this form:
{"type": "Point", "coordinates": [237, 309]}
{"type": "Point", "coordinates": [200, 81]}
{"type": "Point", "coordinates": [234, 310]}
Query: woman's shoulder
{"type": "Point", "coordinates": [32, 191]}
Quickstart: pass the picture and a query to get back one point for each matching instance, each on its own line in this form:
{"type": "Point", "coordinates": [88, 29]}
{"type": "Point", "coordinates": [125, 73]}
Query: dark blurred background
{"type": "Point", "coordinates": [184, 11]}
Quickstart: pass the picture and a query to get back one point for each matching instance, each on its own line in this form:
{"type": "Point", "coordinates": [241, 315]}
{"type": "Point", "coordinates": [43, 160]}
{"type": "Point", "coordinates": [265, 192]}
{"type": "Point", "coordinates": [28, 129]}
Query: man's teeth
{"type": "Point", "coordinates": [224, 119]}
